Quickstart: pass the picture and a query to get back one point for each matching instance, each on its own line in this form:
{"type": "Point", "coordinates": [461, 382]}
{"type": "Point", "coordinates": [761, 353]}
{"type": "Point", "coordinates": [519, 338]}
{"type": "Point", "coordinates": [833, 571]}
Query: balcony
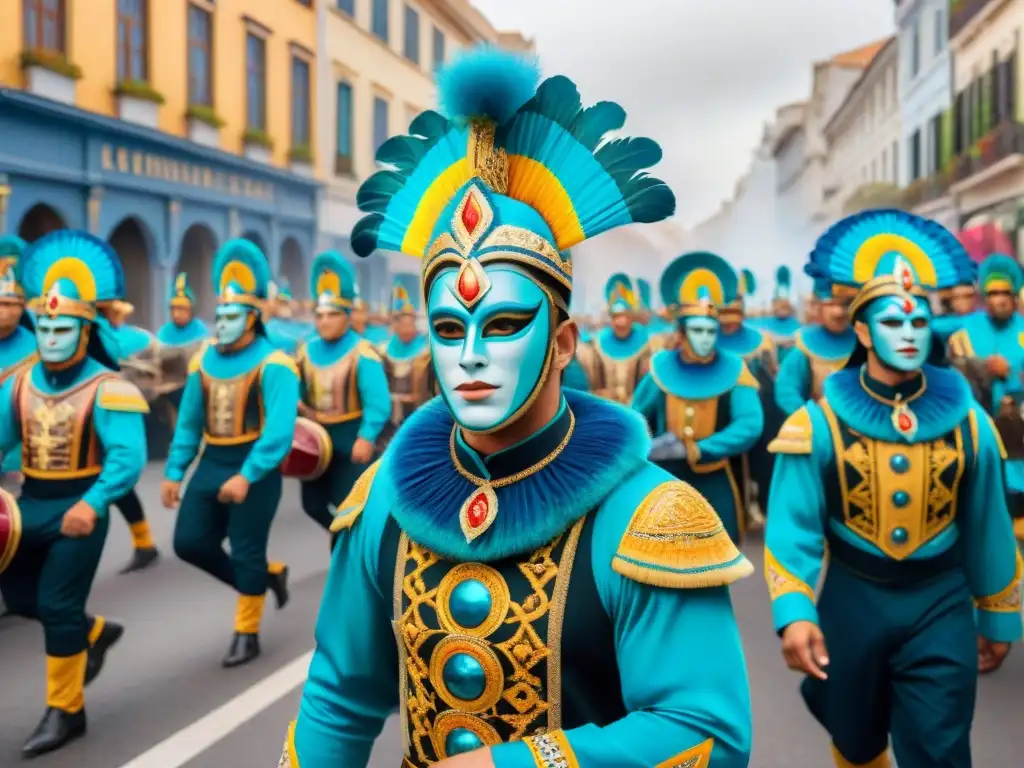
{"type": "Point", "coordinates": [927, 190]}
{"type": "Point", "coordinates": [961, 12]}
{"type": "Point", "coordinates": [1004, 141]}
{"type": "Point", "coordinates": [872, 195]}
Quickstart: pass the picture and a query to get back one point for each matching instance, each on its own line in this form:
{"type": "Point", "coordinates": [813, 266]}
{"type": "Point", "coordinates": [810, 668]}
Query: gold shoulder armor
{"type": "Point", "coordinates": [352, 507]}
{"type": "Point", "coordinates": [119, 395]}
{"type": "Point", "coordinates": [960, 344]}
{"type": "Point", "coordinates": [676, 540]}
{"type": "Point", "coordinates": [796, 434]}
{"type": "Point", "coordinates": [196, 361]}
{"type": "Point", "coordinates": [277, 357]}
{"type": "Point", "coordinates": [746, 378]}
{"type": "Point", "coordinates": [368, 351]}
{"type": "Point", "coordinates": [300, 354]}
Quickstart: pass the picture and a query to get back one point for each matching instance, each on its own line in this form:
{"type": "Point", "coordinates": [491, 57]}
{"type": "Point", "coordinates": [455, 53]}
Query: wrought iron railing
{"type": "Point", "coordinates": [1003, 141]}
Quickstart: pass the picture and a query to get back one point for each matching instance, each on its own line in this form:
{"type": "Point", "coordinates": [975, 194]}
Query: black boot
{"type": "Point", "coordinates": [141, 559]}
{"type": "Point", "coordinates": [96, 655]}
{"type": "Point", "coordinates": [277, 583]}
{"type": "Point", "coordinates": [55, 730]}
{"type": "Point", "coordinates": [244, 648]}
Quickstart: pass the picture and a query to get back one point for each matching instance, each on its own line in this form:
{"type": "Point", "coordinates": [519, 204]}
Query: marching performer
{"type": "Point", "coordinates": [702, 402]}
{"type": "Point", "coordinates": [83, 447]}
{"type": "Point", "coordinates": [818, 350]}
{"type": "Point", "coordinates": [782, 324]}
{"type": "Point", "coordinates": [500, 662]}
{"type": "Point", "coordinates": [280, 330]}
{"type": "Point", "coordinates": [344, 387]}
{"type": "Point", "coordinates": [892, 474]}
{"type": "Point", "coordinates": [17, 339]}
{"type": "Point", "coordinates": [958, 303]}
{"type": "Point", "coordinates": [406, 356]}
{"type": "Point", "coordinates": [240, 403]}
{"type": "Point", "coordinates": [184, 329]}
{"type": "Point", "coordinates": [621, 349]}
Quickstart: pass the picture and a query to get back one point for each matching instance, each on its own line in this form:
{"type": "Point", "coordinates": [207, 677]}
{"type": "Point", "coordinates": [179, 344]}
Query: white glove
{"type": "Point", "coordinates": [667, 447]}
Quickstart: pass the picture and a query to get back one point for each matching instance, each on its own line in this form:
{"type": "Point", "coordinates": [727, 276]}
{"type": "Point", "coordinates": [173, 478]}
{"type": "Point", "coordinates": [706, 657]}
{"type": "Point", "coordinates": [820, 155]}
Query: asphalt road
{"type": "Point", "coordinates": [163, 700]}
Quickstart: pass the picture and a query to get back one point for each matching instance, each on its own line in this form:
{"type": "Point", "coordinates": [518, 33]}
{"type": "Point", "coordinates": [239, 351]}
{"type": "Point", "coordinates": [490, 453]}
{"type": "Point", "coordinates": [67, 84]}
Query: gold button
{"type": "Point", "coordinates": [689, 411]}
{"type": "Point", "coordinates": [688, 431]}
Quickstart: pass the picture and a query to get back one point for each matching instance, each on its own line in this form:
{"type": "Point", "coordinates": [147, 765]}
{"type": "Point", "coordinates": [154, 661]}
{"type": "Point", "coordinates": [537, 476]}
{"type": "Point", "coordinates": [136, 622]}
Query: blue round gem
{"type": "Point", "coordinates": [899, 463]}
{"type": "Point", "coordinates": [461, 740]}
{"type": "Point", "coordinates": [899, 535]}
{"type": "Point", "coordinates": [901, 498]}
{"type": "Point", "coordinates": [470, 603]}
{"type": "Point", "coordinates": [464, 677]}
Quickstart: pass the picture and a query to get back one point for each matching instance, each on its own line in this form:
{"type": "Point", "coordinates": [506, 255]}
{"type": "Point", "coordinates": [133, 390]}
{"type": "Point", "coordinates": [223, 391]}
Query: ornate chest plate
{"type": "Point", "coordinates": [58, 439]}
{"type": "Point", "coordinates": [233, 408]}
{"type": "Point", "coordinates": [331, 391]}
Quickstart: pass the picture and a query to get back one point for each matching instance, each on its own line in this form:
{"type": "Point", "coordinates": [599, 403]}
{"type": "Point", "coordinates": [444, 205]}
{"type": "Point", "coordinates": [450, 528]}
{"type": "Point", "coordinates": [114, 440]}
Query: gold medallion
{"type": "Point", "coordinates": [478, 512]}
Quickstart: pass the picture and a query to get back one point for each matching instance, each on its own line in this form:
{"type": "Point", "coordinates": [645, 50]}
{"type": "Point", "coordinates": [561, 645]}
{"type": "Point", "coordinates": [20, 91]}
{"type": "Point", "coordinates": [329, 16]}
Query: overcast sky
{"type": "Point", "coordinates": [700, 77]}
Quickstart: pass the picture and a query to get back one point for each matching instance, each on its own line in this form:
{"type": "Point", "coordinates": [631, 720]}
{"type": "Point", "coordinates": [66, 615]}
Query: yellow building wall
{"type": "Point", "coordinates": [92, 45]}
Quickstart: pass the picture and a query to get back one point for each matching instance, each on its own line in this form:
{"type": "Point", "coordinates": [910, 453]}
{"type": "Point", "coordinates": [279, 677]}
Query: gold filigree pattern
{"type": "Point", "coordinates": [450, 720]}
{"type": "Point", "coordinates": [781, 581]}
{"type": "Point", "coordinates": [552, 750]}
{"type": "Point", "coordinates": [1007, 600]}
{"type": "Point", "coordinates": [796, 435]}
{"type": "Point", "coordinates": [493, 583]}
{"type": "Point", "coordinates": [696, 757]}
{"type": "Point", "coordinates": [486, 162]}
{"type": "Point", "coordinates": [58, 438]}
{"type": "Point", "coordinates": [331, 390]}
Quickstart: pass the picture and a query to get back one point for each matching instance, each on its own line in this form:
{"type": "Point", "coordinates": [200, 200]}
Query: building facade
{"type": "Point", "coordinates": [165, 127]}
{"type": "Point", "coordinates": [376, 74]}
{"type": "Point", "coordinates": [925, 85]}
{"type": "Point", "coordinates": [987, 173]}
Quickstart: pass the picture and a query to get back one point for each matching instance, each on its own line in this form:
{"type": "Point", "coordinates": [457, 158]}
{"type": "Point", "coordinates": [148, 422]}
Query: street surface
{"type": "Point", "coordinates": [163, 700]}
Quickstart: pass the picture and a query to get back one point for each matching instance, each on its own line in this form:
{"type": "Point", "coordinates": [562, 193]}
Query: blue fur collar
{"type": "Point", "coordinates": [819, 342]}
{"type": "Point", "coordinates": [695, 381]}
{"type": "Point", "coordinates": [743, 342]}
{"type": "Point", "coordinates": [621, 349]}
{"type": "Point", "coordinates": [781, 326]}
{"type": "Point", "coordinates": [944, 405]}
{"type": "Point", "coordinates": [609, 443]}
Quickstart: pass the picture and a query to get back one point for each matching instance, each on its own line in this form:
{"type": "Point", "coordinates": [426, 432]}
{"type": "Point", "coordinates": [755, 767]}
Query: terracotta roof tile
{"type": "Point", "coordinates": [859, 58]}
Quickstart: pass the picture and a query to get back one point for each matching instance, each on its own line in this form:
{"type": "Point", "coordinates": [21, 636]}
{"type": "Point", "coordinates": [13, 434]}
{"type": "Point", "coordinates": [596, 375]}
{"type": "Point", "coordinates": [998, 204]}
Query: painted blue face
{"type": "Point", "coordinates": [901, 339]}
{"type": "Point", "coordinates": [231, 323]}
{"type": "Point", "coordinates": [701, 333]}
{"type": "Point", "coordinates": [489, 359]}
{"type": "Point", "coordinates": [57, 337]}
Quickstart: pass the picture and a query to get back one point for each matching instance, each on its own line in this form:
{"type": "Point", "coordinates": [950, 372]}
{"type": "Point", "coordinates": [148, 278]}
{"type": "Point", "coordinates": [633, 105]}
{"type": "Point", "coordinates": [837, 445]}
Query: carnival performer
{"type": "Point", "coordinates": [622, 352]}
{"type": "Point", "coordinates": [277, 312]}
{"type": "Point", "coordinates": [83, 446]}
{"type": "Point", "coordinates": [493, 495]}
{"type": "Point", "coordinates": [957, 304]}
{"type": "Point", "coordinates": [892, 473]}
{"type": "Point", "coordinates": [240, 403]}
{"type": "Point", "coordinates": [184, 329]}
{"type": "Point", "coordinates": [17, 339]}
{"type": "Point", "coordinates": [782, 324]}
{"type": "Point", "coordinates": [344, 387]}
{"type": "Point", "coordinates": [818, 350]}
{"type": "Point", "coordinates": [700, 401]}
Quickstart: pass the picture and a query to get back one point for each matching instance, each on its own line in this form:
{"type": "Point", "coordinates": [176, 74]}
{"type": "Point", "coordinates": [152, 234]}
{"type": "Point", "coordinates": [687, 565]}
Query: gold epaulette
{"type": "Point", "coordinates": [277, 357]}
{"type": "Point", "coordinates": [746, 379]}
{"type": "Point", "coordinates": [960, 344]}
{"type": "Point", "coordinates": [196, 361]}
{"type": "Point", "coordinates": [676, 540]}
{"type": "Point", "coordinates": [300, 354]}
{"type": "Point", "coordinates": [796, 435]}
{"type": "Point", "coordinates": [352, 507]}
{"type": "Point", "coordinates": [289, 757]}
{"type": "Point", "coordinates": [368, 351]}
{"type": "Point", "coordinates": [121, 395]}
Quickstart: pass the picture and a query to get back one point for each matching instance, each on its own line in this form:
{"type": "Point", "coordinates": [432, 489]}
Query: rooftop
{"type": "Point", "coordinates": [859, 58]}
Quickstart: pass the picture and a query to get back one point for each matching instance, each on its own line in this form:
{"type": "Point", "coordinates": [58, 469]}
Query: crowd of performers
{"type": "Point", "coordinates": [472, 451]}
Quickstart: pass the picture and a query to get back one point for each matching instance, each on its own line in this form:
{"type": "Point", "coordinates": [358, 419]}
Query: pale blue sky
{"type": "Point", "coordinates": [699, 77]}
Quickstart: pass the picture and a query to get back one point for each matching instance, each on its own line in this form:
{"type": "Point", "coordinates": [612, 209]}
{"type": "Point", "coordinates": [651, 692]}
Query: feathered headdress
{"type": "Point", "coordinates": [643, 289]}
{"type": "Point", "coordinates": [405, 294]}
{"type": "Point", "coordinates": [181, 292]}
{"type": "Point", "coordinates": [999, 272]}
{"type": "Point", "coordinates": [748, 283]}
{"type": "Point", "coordinates": [783, 284]}
{"type": "Point", "coordinates": [515, 172]}
{"type": "Point", "coordinates": [241, 274]}
{"type": "Point", "coordinates": [11, 250]}
{"type": "Point", "coordinates": [698, 284]}
{"type": "Point", "coordinates": [619, 295]}
{"type": "Point", "coordinates": [332, 281]}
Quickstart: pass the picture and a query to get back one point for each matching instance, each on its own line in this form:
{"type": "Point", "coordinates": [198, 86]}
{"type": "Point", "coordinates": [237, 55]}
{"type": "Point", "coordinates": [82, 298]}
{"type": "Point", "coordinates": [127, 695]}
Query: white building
{"type": "Point", "coordinates": [862, 137]}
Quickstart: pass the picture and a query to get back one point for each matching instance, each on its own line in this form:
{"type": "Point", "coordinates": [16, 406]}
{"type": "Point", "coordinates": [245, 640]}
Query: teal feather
{"type": "Point", "coordinates": [403, 152]}
{"type": "Point", "coordinates": [783, 276]}
{"type": "Point", "coordinates": [486, 82]}
{"type": "Point", "coordinates": [101, 259]}
{"type": "Point", "coordinates": [249, 254]}
{"type": "Point", "coordinates": [622, 158]}
{"type": "Point", "coordinates": [557, 99]}
{"type": "Point", "coordinates": [648, 199]}
{"type": "Point", "coordinates": [334, 262]}
{"type": "Point", "coordinates": [1002, 266]}
{"type": "Point", "coordinates": [365, 234]}
{"type": "Point", "coordinates": [592, 124]}
{"type": "Point", "coordinates": [376, 193]}
{"type": "Point", "coordinates": [429, 125]}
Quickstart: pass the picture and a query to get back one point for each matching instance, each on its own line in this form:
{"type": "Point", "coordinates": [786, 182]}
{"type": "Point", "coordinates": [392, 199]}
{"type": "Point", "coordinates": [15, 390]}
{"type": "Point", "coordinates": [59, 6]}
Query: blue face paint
{"type": "Point", "coordinates": [500, 347]}
{"type": "Point", "coordinates": [57, 337]}
{"type": "Point", "coordinates": [901, 339]}
{"type": "Point", "coordinates": [232, 321]}
{"type": "Point", "coordinates": [701, 333]}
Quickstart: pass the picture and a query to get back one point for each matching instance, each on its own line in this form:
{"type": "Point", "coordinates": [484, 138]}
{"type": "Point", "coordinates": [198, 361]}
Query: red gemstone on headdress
{"type": "Point", "coordinates": [908, 280]}
{"type": "Point", "coordinates": [54, 301]}
{"type": "Point", "coordinates": [476, 513]}
{"type": "Point", "coordinates": [469, 285]}
{"type": "Point", "coordinates": [904, 422]}
{"type": "Point", "coordinates": [471, 215]}
{"type": "Point", "coordinates": [908, 306]}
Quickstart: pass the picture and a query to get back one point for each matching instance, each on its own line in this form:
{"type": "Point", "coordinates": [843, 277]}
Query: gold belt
{"type": "Point", "coordinates": [329, 417]}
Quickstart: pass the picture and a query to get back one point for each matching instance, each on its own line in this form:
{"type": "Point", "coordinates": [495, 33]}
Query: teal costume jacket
{"type": "Point", "coordinates": [193, 332]}
{"type": "Point", "coordinates": [278, 402]}
{"type": "Point", "coordinates": [16, 351]}
{"type": "Point", "coordinates": [816, 354]}
{"type": "Point", "coordinates": [844, 478]}
{"type": "Point", "coordinates": [494, 632]}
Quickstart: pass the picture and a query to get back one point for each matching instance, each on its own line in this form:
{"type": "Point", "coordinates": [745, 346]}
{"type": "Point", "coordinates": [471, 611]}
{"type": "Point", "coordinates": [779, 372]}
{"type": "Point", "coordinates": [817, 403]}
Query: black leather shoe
{"type": "Point", "coordinates": [97, 654]}
{"type": "Point", "coordinates": [277, 583]}
{"type": "Point", "coordinates": [244, 648]}
{"type": "Point", "coordinates": [141, 559]}
{"type": "Point", "coordinates": [55, 730]}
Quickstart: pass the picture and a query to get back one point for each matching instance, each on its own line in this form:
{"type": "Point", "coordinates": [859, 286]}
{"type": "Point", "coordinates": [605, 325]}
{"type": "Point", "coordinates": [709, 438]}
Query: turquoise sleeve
{"type": "Point", "coordinates": [188, 431]}
{"type": "Point", "coordinates": [10, 427]}
{"type": "Point", "coordinates": [352, 684]}
{"type": "Point", "coordinates": [280, 389]}
{"type": "Point", "coordinates": [989, 545]}
{"type": "Point", "coordinates": [793, 382]}
{"type": "Point", "coordinates": [375, 396]}
{"type": "Point", "coordinates": [649, 402]}
{"type": "Point", "coordinates": [795, 532]}
{"type": "Point", "coordinates": [746, 423]}
{"type": "Point", "coordinates": [123, 436]}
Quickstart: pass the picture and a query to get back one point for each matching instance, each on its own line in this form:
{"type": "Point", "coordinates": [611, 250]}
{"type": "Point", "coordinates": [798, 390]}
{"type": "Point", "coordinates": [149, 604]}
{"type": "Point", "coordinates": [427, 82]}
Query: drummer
{"type": "Point", "coordinates": [252, 391]}
{"type": "Point", "coordinates": [344, 387]}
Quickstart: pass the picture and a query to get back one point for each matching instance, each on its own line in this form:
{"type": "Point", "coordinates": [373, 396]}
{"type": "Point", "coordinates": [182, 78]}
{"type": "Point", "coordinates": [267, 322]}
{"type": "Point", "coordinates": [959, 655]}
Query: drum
{"type": "Point", "coordinates": [10, 528]}
{"type": "Point", "coordinates": [311, 451]}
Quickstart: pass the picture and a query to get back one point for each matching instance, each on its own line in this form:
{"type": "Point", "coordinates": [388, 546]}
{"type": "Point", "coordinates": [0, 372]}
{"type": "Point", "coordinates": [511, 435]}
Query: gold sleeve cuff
{"type": "Point", "coordinates": [552, 749]}
{"type": "Point", "coordinates": [695, 757]}
{"type": "Point", "coordinates": [746, 379]}
{"type": "Point", "coordinates": [277, 357]}
{"type": "Point", "coordinates": [781, 581]}
{"type": "Point", "coordinates": [675, 539]}
{"type": "Point", "coordinates": [122, 396]}
{"type": "Point", "coordinates": [1008, 599]}
{"type": "Point", "coordinates": [289, 757]}
{"type": "Point", "coordinates": [795, 436]}
{"type": "Point", "coordinates": [352, 507]}
{"type": "Point", "coordinates": [368, 351]}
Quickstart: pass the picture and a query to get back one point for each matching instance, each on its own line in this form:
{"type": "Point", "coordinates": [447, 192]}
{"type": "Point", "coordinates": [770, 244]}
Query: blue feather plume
{"type": "Point", "coordinates": [249, 254]}
{"type": "Point", "coordinates": [999, 265]}
{"type": "Point", "coordinates": [486, 82]}
{"type": "Point", "coordinates": [98, 256]}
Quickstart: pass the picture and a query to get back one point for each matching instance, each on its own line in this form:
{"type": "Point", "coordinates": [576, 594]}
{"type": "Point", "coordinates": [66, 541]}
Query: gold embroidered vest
{"type": "Point", "coordinates": [408, 383]}
{"type": "Point", "coordinates": [232, 408]}
{"type": "Point", "coordinates": [18, 367]}
{"type": "Point", "coordinates": [820, 370]}
{"type": "Point", "coordinates": [332, 391]}
{"type": "Point", "coordinates": [620, 376]}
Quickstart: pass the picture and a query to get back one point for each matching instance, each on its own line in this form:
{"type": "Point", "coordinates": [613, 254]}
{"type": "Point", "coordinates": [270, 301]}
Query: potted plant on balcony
{"type": "Point", "coordinates": [50, 74]}
{"type": "Point", "coordinates": [204, 125]}
{"type": "Point", "coordinates": [301, 160]}
{"type": "Point", "coordinates": [258, 145]}
{"type": "Point", "coordinates": [138, 102]}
